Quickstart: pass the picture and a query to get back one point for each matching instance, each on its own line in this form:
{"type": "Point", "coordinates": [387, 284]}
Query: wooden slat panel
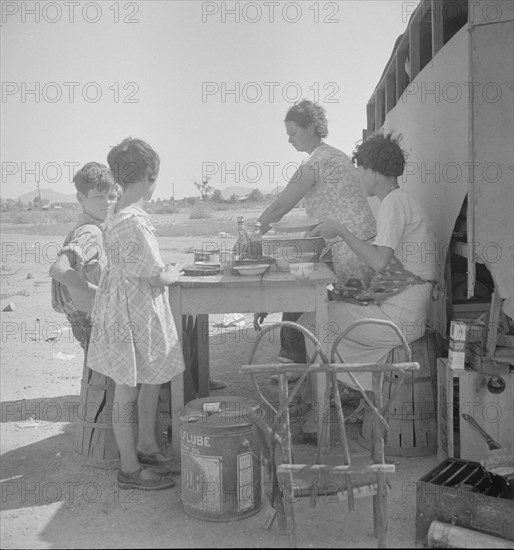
{"type": "Point", "coordinates": [414, 49]}
{"type": "Point", "coordinates": [506, 423]}
{"type": "Point", "coordinates": [437, 26]}
{"type": "Point", "coordinates": [379, 108]}
{"type": "Point", "coordinates": [390, 91]}
{"type": "Point", "coordinates": [401, 82]}
{"type": "Point", "coordinates": [472, 401]}
{"type": "Point", "coordinates": [370, 117]}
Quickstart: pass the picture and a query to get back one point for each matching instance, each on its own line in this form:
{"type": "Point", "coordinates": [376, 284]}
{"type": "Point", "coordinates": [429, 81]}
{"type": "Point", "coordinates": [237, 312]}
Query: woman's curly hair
{"type": "Point", "coordinates": [382, 154]}
{"type": "Point", "coordinates": [132, 160]}
{"type": "Point", "coordinates": [306, 112]}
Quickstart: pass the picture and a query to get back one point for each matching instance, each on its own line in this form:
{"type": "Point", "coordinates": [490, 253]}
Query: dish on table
{"type": "Point", "coordinates": [295, 226]}
{"type": "Point", "coordinates": [254, 261]}
{"type": "Point", "coordinates": [199, 270]}
{"type": "Point", "coordinates": [254, 269]}
{"type": "Point", "coordinates": [206, 264]}
{"type": "Point", "coordinates": [288, 255]}
{"type": "Point", "coordinates": [295, 245]}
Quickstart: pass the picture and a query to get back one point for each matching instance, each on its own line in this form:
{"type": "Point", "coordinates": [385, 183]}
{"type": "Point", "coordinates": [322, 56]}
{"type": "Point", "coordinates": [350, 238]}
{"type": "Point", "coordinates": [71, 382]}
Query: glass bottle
{"type": "Point", "coordinates": [254, 233]}
{"type": "Point", "coordinates": [240, 225]}
{"type": "Point", "coordinates": [241, 237]}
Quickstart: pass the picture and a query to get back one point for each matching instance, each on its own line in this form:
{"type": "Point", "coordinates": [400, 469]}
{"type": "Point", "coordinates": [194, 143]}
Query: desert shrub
{"type": "Point", "coordinates": [20, 217]}
{"type": "Point", "coordinates": [64, 216]}
{"type": "Point", "coordinates": [199, 228]}
{"type": "Point", "coordinates": [217, 196]}
{"type": "Point", "coordinates": [162, 207]}
{"type": "Point", "coordinates": [200, 211]}
{"type": "Point", "coordinates": [222, 206]}
{"type": "Point", "coordinates": [27, 217]}
{"type": "Point", "coordinates": [256, 196]}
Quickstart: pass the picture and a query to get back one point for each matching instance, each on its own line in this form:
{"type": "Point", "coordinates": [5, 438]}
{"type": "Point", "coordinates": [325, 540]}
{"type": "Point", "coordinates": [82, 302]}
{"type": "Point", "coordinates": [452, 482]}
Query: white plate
{"type": "Point", "coordinates": [295, 226]}
{"type": "Point", "coordinates": [208, 264]}
{"type": "Point", "coordinates": [257, 269]}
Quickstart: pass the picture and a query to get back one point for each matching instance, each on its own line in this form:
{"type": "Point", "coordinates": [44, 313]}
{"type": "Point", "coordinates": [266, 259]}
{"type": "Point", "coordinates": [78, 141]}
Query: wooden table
{"type": "Point", "coordinates": [275, 291]}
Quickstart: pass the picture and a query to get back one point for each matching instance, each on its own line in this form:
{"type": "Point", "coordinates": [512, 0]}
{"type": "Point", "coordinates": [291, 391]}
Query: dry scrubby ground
{"type": "Point", "coordinates": [49, 501]}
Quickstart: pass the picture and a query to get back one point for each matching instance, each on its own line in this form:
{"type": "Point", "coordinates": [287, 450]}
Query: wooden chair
{"type": "Point", "coordinates": [286, 481]}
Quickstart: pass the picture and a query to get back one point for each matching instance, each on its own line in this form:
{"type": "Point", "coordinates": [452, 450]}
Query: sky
{"type": "Point", "coordinates": [207, 84]}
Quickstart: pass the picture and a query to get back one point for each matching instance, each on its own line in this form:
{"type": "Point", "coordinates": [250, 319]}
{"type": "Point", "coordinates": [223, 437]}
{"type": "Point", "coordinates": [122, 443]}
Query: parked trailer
{"type": "Point", "coordinates": [448, 90]}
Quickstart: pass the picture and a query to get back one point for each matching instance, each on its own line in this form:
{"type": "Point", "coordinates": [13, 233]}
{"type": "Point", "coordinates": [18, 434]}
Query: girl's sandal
{"type": "Point", "coordinates": [158, 462]}
{"type": "Point", "coordinates": [133, 480]}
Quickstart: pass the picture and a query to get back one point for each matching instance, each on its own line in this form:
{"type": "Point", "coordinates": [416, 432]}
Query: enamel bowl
{"type": "Point", "coordinates": [255, 269]}
{"type": "Point", "coordinates": [298, 245]}
{"type": "Point", "coordinates": [285, 256]}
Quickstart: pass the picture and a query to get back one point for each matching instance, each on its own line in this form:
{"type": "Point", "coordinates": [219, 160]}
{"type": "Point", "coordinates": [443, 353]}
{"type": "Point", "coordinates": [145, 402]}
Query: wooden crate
{"type": "Point", "coordinates": [478, 361]}
{"type": "Point", "coordinates": [461, 506]}
{"type": "Point", "coordinates": [493, 412]}
{"type": "Point", "coordinates": [469, 310]}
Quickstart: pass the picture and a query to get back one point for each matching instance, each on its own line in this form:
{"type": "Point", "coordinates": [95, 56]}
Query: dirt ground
{"type": "Point", "coordinates": [50, 501]}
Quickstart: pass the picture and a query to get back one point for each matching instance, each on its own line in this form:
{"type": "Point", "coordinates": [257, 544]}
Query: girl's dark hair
{"type": "Point", "coordinates": [132, 160]}
{"type": "Point", "coordinates": [306, 112]}
{"type": "Point", "coordinates": [93, 175]}
{"type": "Point", "coordinates": [382, 154]}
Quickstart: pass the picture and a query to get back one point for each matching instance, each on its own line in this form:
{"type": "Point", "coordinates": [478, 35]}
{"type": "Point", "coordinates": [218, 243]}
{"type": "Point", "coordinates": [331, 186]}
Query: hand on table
{"type": "Point", "coordinates": [172, 273]}
{"type": "Point", "coordinates": [328, 229]}
{"type": "Point", "coordinates": [258, 319]}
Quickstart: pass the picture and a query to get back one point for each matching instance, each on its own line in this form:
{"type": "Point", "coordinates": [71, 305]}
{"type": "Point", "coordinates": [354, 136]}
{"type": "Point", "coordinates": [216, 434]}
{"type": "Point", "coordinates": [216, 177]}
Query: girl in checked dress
{"type": "Point", "coordinates": [134, 339]}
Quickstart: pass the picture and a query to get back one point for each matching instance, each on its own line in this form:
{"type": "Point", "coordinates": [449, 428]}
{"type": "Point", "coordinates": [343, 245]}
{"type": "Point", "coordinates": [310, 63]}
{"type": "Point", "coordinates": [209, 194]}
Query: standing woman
{"type": "Point", "coordinates": [329, 184]}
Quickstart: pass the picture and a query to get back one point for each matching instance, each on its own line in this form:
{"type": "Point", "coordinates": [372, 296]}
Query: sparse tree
{"type": "Point", "coordinates": [203, 187]}
{"type": "Point", "coordinates": [217, 196]}
{"type": "Point", "coordinates": [256, 196]}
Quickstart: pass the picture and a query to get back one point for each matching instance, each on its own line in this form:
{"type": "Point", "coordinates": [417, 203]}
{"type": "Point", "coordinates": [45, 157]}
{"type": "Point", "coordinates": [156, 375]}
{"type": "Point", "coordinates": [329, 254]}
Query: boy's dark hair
{"type": "Point", "coordinates": [306, 112]}
{"type": "Point", "coordinates": [93, 175]}
{"type": "Point", "coordinates": [382, 154]}
{"type": "Point", "coordinates": [132, 160]}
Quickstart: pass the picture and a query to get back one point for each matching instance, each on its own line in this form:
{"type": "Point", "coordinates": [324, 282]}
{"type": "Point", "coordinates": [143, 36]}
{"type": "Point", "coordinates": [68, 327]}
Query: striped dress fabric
{"type": "Point", "coordinates": [133, 339]}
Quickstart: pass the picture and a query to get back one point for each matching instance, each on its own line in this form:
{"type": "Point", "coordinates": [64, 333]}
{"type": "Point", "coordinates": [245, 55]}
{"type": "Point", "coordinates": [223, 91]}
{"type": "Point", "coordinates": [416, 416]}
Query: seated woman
{"type": "Point", "coordinates": [329, 184]}
{"type": "Point", "coordinates": [402, 256]}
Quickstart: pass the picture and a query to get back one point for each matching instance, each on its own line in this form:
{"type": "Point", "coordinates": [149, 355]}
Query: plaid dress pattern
{"type": "Point", "coordinates": [133, 338]}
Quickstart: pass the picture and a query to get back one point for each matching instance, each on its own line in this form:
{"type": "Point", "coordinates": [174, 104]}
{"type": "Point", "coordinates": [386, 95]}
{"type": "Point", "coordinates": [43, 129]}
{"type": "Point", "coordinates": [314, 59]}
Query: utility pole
{"type": "Point", "coordinates": [173, 190]}
{"type": "Point", "coordinates": [39, 193]}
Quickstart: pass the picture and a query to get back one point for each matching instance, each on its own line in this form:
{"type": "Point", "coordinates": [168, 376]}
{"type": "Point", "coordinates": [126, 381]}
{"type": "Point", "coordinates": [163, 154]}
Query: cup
{"type": "Point", "coordinates": [227, 261]}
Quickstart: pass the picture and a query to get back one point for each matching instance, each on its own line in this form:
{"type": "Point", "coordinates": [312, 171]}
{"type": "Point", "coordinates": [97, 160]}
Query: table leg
{"type": "Point", "coordinates": [203, 374]}
{"type": "Point", "coordinates": [319, 381]}
{"type": "Point", "coordinates": [177, 383]}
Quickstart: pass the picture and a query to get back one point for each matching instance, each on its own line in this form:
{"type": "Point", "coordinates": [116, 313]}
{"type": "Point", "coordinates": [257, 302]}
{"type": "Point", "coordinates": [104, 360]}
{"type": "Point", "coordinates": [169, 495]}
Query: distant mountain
{"type": "Point", "coordinates": [50, 194]}
{"type": "Point", "coordinates": [241, 191]}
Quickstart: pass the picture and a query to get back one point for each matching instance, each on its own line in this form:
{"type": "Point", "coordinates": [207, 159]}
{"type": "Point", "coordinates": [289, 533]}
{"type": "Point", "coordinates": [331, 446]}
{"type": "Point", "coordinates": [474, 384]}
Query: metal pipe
{"type": "Point", "coordinates": [446, 535]}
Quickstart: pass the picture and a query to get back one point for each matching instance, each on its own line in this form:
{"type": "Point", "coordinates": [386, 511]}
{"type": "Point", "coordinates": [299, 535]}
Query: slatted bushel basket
{"type": "Point", "coordinates": [410, 408]}
{"type": "Point", "coordinates": [95, 444]}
